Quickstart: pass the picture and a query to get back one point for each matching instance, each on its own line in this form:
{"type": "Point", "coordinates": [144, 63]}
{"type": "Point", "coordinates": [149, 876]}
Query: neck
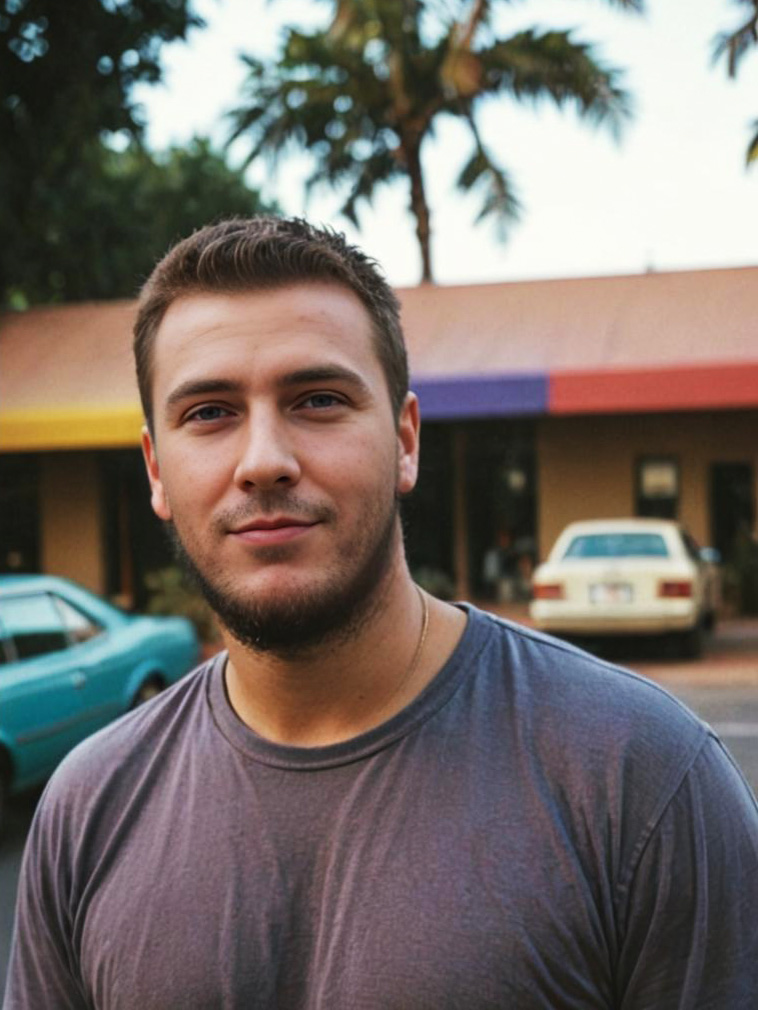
{"type": "Point", "coordinates": [348, 686]}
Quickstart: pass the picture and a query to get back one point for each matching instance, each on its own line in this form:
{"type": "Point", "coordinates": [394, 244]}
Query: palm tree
{"type": "Point", "coordinates": [364, 94]}
{"type": "Point", "coordinates": [734, 45]}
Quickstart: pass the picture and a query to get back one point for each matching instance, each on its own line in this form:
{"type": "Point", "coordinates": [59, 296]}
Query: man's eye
{"type": "Point", "coordinates": [209, 413]}
{"type": "Point", "coordinates": [321, 400]}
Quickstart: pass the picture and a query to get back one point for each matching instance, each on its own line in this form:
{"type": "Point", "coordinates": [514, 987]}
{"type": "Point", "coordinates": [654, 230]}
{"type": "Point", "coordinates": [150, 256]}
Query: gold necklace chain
{"type": "Point", "coordinates": [422, 637]}
{"type": "Point", "coordinates": [407, 677]}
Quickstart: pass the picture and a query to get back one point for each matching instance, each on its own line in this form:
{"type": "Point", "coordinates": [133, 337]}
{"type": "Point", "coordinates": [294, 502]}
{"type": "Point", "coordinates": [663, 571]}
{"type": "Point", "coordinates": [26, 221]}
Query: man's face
{"type": "Point", "coordinates": [277, 458]}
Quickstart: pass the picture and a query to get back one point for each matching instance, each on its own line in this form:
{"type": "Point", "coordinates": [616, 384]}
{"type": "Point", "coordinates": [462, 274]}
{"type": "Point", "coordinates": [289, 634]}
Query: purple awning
{"type": "Point", "coordinates": [462, 396]}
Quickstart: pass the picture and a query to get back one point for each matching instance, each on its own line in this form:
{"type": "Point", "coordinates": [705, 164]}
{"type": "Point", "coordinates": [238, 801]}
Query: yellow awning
{"type": "Point", "coordinates": [95, 427]}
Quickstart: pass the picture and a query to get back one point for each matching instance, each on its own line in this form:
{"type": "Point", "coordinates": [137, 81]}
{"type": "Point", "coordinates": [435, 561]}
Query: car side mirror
{"type": "Point", "coordinates": [710, 555]}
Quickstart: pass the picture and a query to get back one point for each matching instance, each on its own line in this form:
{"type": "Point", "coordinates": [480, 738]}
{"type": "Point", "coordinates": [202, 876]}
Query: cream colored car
{"type": "Point", "coordinates": [627, 576]}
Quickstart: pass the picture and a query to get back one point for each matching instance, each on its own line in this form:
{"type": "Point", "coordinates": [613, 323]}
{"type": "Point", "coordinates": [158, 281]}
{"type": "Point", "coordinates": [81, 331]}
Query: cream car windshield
{"type": "Point", "coordinates": [617, 545]}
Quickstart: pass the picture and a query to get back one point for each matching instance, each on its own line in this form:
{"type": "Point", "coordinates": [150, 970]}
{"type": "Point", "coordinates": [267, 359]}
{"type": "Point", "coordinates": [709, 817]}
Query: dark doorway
{"type": "Point", "coordinates": [135, 540]}
{"type": "Point", "coordinates": [502, 507]}
{"type": "Point", "coordinates": [428, 513]}
{"type": "Point", "coordinates": [732, 504]}
{"type": "Point", "coordinates": [733, 532]}
{"type": "Point", "coordinates": [19, 513]}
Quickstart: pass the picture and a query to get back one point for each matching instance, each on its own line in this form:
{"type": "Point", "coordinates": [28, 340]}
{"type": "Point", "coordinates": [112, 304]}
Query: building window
{"type": "Point", "coordinates": [658, 487]}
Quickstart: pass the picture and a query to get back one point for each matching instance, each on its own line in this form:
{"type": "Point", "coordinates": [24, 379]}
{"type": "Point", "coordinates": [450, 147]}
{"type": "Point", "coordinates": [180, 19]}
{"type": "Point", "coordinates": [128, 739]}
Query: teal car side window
{"type": "Point", "coordinates": [80, 626]}
{"type": "Point", "coordinates": [33, 625]}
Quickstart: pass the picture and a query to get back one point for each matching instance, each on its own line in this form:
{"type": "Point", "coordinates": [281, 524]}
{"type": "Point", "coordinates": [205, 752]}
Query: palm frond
{"type": "Point", "coordinates": [752, 152]}
{"type": "Point", "coordinates": [736, 43]}
{"type": "Point", "coordinates": [499, 200]}
{"type": "Point", "coordinates": [307, 99]}
{"type": "Point", "coordinates": [636, 6]}
{"type": "Point", "coordinates": [373, 173]}
{"type": "Point", "coordinates": [363, 94]}
{"type": "Point", "coordinates": [535, 65]}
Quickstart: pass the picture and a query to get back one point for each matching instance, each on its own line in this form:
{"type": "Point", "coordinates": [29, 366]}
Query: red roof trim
{"type": "Point", "coordinates": [645, 389]}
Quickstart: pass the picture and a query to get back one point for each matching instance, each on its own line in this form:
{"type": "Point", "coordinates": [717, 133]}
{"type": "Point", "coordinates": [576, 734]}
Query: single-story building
{"type": "Point", "coordinates": [543, 402]}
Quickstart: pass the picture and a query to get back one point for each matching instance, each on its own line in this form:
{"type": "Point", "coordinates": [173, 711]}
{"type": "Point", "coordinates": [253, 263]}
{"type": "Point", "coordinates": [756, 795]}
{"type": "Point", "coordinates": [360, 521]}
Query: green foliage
{"type": "Point", "coordinates": [435, 582]}
{"type": "Point", "coordinates": [741, 573]}
{"type": "Point", "coordinates": [733, 46]}
{"type": "Point", "coordinates": [68, 68]}
{"type": "Point", "coordinates": [119, 213]}
{"type": "Point", "coordinates": [67, 71]}
{"type": "Point", "coordinates": [171, 597]}
{"type": "Point", "coordinates": [364, 94]}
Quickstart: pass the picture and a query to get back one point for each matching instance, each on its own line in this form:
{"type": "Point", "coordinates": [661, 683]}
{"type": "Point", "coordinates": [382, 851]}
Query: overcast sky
{"type": "Point", "coordinates": [673, 194]}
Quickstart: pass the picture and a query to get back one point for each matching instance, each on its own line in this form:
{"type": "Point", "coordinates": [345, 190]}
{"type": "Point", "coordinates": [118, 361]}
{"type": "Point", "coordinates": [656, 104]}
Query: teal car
{"type": "Point", "coordinates": [69, 664]}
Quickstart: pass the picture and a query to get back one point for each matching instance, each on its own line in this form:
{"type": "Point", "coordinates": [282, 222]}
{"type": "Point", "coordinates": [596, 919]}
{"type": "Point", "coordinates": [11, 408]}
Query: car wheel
{"type": "Point", "coordinates": [690, 643]}
{"type": "Point", "coordinates": [148, 690]}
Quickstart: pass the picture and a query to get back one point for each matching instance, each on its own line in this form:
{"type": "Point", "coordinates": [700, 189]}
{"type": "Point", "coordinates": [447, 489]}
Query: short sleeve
{"type": "Point", "coordinates": [689, 912]}
{"type": "Point", "coordinates": [41, 970]}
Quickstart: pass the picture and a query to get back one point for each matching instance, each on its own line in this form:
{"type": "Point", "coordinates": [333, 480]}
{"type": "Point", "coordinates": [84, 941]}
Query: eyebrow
{"type": "Point", "coordinates": [317, 373]}
{"type": "Point", "coordinates": [201, 387]}
{"type": "Point", "coordinates": [324, 373]}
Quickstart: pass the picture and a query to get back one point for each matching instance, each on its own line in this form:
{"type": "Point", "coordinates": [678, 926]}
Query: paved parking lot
{"type": "Point", "coordinates": [730, 656]}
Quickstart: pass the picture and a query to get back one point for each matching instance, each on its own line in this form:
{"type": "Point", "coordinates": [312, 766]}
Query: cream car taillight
{"type": "Point", "coordinates": [675, 590]}
{"type": "Point", "coordinates": [549, 591]}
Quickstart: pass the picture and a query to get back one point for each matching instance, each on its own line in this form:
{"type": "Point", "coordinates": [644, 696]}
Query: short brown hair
{"type": "Point", "coordinates": [245, 254]}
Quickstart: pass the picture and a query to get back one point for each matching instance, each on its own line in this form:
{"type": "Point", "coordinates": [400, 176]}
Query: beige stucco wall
{"type": "Point", "coordinates": [586, 466]}
{"type": "Point", "coordinates": [72, 518]}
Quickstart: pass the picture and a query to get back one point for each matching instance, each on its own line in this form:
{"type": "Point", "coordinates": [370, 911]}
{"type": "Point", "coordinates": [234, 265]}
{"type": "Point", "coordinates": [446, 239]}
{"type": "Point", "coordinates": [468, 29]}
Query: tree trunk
{"type": "Point", "coordinates": [419, 206]}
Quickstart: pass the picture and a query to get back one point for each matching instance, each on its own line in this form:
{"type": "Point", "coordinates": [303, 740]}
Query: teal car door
{"type": "Point", "coordinates": [41, 710]}
{"type": "Point", "coordinates": [105, 657]}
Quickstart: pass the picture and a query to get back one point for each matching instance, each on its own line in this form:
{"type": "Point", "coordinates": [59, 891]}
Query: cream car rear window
{"type": "Point", "coordinates": [618, 545]}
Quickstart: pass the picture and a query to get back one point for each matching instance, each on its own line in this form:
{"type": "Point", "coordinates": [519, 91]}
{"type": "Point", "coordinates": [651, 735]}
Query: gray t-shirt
{"type": "Point", "coordinates": [538, 830]}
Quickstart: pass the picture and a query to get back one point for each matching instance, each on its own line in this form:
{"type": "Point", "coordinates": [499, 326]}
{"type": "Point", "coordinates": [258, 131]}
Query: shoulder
{"type": "Point", "coordinates": [144, 740]}
{"type": "Point", "coordinates": [611, 754]}
{"type": "Point", "coordinates": [556, 672]}
{"type": "Point", "coordinates": [584, 710]}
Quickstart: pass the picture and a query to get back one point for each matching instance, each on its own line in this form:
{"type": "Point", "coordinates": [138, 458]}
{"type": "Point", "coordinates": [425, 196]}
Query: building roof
{"type": "Point", "coordinates": [657, 319]}
{"type": "Point", "coordinates": [602, 344]}
{"type": "Point", "coordinates": [655, 341]}
{"type": "Point", "coordinates": [67, 378]}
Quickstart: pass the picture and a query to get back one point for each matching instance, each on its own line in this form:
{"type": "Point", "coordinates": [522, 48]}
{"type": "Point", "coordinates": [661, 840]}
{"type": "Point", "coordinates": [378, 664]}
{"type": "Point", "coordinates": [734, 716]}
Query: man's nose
{"type": "Point", "coordinates": [267, 458]}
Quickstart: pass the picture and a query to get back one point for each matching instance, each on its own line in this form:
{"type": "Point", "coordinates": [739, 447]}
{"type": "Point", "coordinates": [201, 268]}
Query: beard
{"type": "Point", "coordinates": [328, 611]}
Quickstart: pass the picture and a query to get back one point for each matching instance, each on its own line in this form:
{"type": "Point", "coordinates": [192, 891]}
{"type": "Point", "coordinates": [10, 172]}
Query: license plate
{"type": "Point", "coordinates": [611, 592]}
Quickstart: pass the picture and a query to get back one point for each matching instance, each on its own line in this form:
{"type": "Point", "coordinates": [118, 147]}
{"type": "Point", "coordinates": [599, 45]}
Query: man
{"type": "Point", "coordinates": [372, 799]}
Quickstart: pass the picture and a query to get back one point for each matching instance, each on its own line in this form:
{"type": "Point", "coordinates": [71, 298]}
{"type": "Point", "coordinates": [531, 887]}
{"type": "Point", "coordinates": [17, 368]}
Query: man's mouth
{"type": "Point", "coordinates": [273, 530]}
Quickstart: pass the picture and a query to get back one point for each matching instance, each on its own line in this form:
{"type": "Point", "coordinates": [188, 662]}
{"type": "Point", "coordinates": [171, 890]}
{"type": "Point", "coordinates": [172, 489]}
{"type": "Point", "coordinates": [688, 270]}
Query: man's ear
{"type": "Point", "coordinates": [158, 496]}
{"type": "Point", "coordinates": [408, 432]}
